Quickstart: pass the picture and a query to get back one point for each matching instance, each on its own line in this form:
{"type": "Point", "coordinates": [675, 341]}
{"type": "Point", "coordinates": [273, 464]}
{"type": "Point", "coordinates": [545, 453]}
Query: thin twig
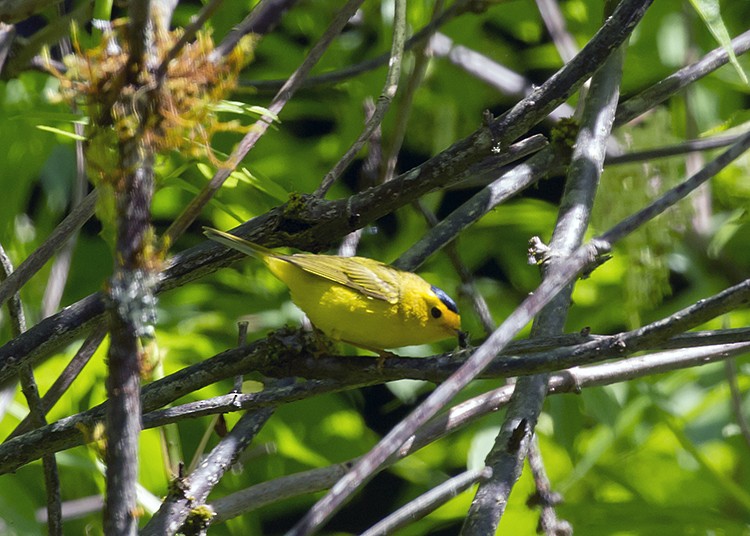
{"type": "Point", "coordinates": [555, 23]}
{"type": "Point", "coordinates": [235, 402]}
{"type": "Point", "coordinates": [66, 378]}
{"type": "Point", "coordinates": [61, 266]}
{"type": "Point", "coordinates": [679, 149]}
{"type": "Point", "coordinates": [404, 105]}
{"type": "Point", "coordinates": [188, 33]}
{"type": "Point", "coordinates": [549, 523]}
{"type": "Point", "coordinates": [193, 490]}
{"type": "Point", "coordinates": [36, 410]}
{"type": "Point", "coordinates": [188, 215]}
{"type": "Point", "coordinates": [489, 71]}
{"type": "Point", "coordinates": [428, 502]}
{"type": "Point", "coordinates": [730, 369]}
{"type": "Point", "coordinates": [368, 65]}
{"type": "Point", "coordinates": [383, 102]}
{"type": "Point", "coordinates": [15, 307]}
{"type": "Point", "coordinates": [261, 20]}
{"type": "Point", "coordinates": [57, 239]}
{"type": "Point", "coordinates": [662, 90]}
{"type": "Point", "coordinates": [241, 341]}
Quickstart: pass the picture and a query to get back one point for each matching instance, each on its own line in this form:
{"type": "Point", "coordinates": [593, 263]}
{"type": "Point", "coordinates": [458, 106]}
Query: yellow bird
{"type": "Point", "coordinates": [357, 300]}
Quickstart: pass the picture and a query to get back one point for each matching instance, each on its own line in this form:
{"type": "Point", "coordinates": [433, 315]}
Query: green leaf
{"type": "Point", "coordinates": [103, 9]}
{"type": "Point", "coordinates": [192, 189]}
{"type": "Point", "coordinates": [726, 232]}
{"type": "Point", "coordinates": [710, 12]}
{"type": "Point", "coordinates": [244, 109]}
{"type": "Point", "coordinates": [263, 184]}
{"type": "Point", "coordinates": [71, 135]}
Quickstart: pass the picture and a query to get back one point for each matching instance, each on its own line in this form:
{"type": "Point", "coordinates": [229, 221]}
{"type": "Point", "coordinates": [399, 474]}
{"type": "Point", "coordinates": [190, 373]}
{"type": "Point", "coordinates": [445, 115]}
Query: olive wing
{"type": "Point", "coordinates": [371, 278]}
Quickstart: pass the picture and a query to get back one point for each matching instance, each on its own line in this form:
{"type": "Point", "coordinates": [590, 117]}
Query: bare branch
{"type": "Point", "coordinates": [651, 97]}
{"type": "Point", "coordinates": [37, 414]}
{"type": "Point", "coordinates": [16, 10]}
{"type": "Point", "coordinates": [672, 196]}
{"type": "Point", "coordinates": [66, 378]}
{"type": "Point", "coordinates": [428, 502]}
{"type": "Point", "coordinates": [384, 101]}
{"type": "Point", "coordinates": [489, 71]}
{"type": "Point", "coordinates": [514, 439]}
{"type": "Point", "coordinates": [181, 223]}
{"type": "Point", "coordinates": [261, 20]}
{"type": "Point", "coordinates": [57, 239]}
{"type": "Point", "coordinates": [470, 411]}
{"type": "Point", "coordinates": [191, 492]}
{"type": "Point", "coordinates": [688, 146]}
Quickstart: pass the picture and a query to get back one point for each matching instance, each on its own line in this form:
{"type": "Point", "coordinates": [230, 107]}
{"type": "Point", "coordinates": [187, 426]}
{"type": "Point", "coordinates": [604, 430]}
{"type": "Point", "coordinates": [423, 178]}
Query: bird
{"type": "Point", "coordinates": [357, 300]}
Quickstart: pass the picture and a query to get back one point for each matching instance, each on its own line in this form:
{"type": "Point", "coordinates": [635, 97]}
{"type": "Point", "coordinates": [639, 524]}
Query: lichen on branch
{"type": "Point", "coordinates": [182, 105]}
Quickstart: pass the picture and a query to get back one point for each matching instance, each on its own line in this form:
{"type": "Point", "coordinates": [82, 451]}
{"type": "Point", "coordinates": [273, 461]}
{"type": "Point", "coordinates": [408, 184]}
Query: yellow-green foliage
{"type": "Point", "coordinates": [626, 188]}
{"type": "Point", "coordinates": [564, 134]}
{"type": "Point", "coordinates": [198, 520]}
{"type": "Point", "coordinates": [181, 112]}
{"type": "Point", "coordinates": [177, 111]}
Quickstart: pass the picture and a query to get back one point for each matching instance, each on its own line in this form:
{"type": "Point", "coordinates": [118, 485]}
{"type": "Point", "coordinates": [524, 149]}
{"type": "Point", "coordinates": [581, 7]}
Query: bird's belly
{"type": "Point", "coordinates": [345, 314]}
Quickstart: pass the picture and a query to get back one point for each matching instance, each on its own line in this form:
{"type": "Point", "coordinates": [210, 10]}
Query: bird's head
{"type": "Point", "coordinates": [443, 312]}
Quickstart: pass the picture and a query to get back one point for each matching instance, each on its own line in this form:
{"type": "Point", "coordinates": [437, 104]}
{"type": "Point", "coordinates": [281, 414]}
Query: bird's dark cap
{"type": "Point", "coordinates": [447, 301]}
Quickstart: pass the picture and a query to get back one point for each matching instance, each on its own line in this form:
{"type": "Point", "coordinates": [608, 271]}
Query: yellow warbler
{"type": "Point", "coordinates": [357, 300]}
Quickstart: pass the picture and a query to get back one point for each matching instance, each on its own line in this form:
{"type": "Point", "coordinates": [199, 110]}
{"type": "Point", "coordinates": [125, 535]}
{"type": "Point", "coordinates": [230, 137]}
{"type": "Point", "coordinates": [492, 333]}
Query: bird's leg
{"type": "Point", "coordinates": [382, 356]}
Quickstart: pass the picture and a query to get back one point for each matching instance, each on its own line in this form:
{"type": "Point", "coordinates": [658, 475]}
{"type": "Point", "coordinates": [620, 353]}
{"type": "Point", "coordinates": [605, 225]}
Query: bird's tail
{"type": "Point", "coordinates": [235, 242]}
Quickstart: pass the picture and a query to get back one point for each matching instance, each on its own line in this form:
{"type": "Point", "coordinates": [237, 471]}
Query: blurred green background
{"type": "Point", "coordinates": [662, 455]}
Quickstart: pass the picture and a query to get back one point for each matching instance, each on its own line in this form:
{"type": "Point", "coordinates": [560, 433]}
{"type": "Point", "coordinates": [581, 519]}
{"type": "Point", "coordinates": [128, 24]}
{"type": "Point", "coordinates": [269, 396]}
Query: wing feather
{"type": "Point", "coordinates": [371, 278]}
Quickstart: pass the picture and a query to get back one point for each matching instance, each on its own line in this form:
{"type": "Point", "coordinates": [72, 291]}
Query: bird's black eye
{"type": "Point", "coordinates": [436, 313]}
